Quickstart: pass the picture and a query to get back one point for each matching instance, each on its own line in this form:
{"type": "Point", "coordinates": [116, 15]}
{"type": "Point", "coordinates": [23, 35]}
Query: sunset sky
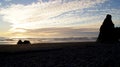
{"type": "Point", "coordinates": [55, 18]}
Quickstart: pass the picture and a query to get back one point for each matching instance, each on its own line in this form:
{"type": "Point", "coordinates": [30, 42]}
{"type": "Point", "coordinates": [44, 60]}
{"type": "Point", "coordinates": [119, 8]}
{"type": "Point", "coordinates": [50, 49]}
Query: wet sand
{"type": "Point", "coordinates": [73, 54]}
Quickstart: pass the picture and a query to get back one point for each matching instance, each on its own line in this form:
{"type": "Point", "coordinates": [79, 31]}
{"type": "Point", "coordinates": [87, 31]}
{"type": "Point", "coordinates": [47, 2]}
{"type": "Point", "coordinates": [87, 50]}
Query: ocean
{"type": "Point", "coordinates": [13, 41]}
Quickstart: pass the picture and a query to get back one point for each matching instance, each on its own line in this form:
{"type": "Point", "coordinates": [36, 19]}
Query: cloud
{"type": "Point", "coordinates": [60, 32]}
{"type": "Point", "coordinates": [40, 14]}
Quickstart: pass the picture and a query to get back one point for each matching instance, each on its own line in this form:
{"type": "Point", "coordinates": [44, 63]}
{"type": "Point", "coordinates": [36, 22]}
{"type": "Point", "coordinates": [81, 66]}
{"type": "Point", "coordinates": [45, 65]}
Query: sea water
{"type": "Point", "coordinates": [13, 41]}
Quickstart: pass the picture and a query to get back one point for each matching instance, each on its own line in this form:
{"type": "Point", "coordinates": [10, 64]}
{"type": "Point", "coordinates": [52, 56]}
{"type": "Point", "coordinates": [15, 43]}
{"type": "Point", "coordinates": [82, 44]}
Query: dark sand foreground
{"type": "Point", "coordinates": [79, 54]}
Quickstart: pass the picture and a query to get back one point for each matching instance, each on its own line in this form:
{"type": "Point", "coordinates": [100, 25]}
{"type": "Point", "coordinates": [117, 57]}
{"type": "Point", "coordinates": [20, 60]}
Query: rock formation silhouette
{"type": "Point", "coordinates": [19, 42]}
{"type": "Point", "coordinates": [108, 33]}
{"type": "Point", "coordinates": [26, 42]}
{"type": "Point", "coordinates": [117, 33]}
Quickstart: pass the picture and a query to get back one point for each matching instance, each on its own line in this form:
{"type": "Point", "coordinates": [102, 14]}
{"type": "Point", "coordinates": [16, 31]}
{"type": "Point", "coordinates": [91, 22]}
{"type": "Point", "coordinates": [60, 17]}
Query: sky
{"type": "Point", "coordinates": [55, 18]}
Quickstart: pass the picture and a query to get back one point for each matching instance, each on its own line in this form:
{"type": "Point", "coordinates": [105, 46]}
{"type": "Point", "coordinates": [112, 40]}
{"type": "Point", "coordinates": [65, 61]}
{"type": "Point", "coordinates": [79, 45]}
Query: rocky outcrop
{"type": "Point", "coordinates": [108, 33]}
{"type": "Point", "coordinates": [26, 42]}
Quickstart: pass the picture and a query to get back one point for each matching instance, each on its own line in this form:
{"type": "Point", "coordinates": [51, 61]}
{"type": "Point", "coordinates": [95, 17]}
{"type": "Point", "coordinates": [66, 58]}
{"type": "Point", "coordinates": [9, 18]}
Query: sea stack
{"type": "Point", "coordinates": [19, 42]}
{"type": "Point", "coordinates": [107, 31]}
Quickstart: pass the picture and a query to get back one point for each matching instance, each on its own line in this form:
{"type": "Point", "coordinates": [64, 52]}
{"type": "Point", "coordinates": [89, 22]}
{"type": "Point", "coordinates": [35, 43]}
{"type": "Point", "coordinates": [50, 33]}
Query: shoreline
{"type": "Point", "coordinates": [41, 46]}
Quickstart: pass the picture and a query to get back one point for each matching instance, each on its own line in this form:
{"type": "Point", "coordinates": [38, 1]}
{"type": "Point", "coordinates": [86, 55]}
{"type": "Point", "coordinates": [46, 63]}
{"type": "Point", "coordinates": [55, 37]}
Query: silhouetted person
{"type": "Point", "coordinates": [26, 42]}
{"type": "Point", "coordinates": [107, 31]}
{"type": "Point", "coordinates": [19, 42]}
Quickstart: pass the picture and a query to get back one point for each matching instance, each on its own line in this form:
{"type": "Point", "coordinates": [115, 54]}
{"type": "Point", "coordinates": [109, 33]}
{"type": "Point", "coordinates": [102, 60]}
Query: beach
{"type": "Point", "coordinates": [69, 54]}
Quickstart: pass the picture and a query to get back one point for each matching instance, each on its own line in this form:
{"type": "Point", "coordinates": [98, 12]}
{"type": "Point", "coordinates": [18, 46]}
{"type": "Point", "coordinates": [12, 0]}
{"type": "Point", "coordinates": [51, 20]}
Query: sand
{"type": "Point", "coordinates": [74, 54]}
